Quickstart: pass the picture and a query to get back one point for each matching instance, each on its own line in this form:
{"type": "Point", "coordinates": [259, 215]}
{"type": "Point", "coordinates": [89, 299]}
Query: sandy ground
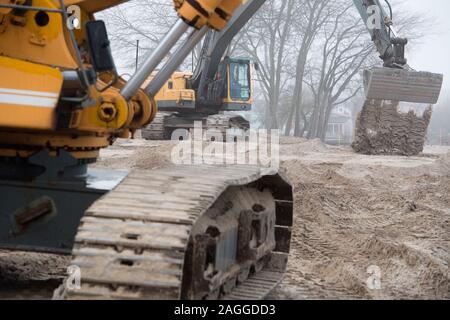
{"type": "Point", "coordinates": [355, 214]}
{"type": "Point", "coordinates": [366, 227]}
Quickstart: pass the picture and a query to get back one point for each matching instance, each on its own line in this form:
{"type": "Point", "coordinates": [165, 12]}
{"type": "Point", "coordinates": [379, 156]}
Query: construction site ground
{"type": "Point", "coordinates": [356, 217]}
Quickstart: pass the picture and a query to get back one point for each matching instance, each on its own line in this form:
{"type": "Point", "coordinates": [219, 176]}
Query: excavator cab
{"type": "Point", "coordinates": [233, 80]}
{"type": "Point", "coordinates": [239, 84]}
{"type": "Point", "coordinates": [231, 89]}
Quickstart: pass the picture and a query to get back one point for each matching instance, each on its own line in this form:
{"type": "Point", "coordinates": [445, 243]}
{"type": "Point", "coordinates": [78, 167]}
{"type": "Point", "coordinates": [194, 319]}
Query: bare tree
{"type": "Point", "coordinates": [265, 39]}
{"type": "Point", "coordinates": [312, 14]}
{"type": "Point", "coordinates": [344, 52]}
{"type": "Point", "coordinates": [144, 20]}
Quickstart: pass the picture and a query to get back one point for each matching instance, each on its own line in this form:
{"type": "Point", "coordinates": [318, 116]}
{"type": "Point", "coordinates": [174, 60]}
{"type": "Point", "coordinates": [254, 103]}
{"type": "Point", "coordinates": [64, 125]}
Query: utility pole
{"type": "Point", "coordinates": [137, 54]}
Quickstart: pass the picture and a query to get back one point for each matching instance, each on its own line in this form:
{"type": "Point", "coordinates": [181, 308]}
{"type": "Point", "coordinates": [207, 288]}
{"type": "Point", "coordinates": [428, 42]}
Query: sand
{"type": "Point", "coordinates": [382, 129]}
{"type": "Point", "coordinates": [366, 227]}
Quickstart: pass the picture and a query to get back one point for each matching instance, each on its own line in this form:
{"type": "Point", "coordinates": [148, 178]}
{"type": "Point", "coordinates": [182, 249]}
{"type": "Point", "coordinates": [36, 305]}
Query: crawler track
{"type": "Point", "coordinates": [139, 241]}
{"type": "Point", "coordinates": [156, 129]}
{"type": "Point", "coordinates": [165, 123]}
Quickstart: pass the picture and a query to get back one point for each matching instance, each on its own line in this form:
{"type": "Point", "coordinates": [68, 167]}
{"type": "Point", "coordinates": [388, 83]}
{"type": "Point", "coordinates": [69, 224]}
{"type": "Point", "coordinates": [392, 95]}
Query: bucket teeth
{"type": "Point", "coordinates": [402, 85]}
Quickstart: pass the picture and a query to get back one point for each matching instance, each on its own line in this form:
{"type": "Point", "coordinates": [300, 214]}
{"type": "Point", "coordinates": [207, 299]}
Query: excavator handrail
{"type": "Point", "coordinates": [32, 8]}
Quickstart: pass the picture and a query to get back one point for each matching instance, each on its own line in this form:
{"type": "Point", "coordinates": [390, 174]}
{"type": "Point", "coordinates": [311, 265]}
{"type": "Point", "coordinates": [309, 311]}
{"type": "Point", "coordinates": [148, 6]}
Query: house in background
{"type": "Point", "coordinates": [340, 127]}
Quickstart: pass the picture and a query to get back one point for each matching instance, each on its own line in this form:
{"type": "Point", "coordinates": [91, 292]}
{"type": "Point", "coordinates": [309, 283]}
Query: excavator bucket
{"type": "Point", "coordinates": [380, 128]}
{"type": "Point", "coordinates": [382, 83]}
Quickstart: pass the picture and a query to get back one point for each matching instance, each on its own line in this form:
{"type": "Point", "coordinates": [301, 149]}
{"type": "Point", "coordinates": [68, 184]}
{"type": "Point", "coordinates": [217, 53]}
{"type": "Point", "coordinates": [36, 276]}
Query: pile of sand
{"type": "Point", "coordinates": [382, 130]}
{"type": "Point", "coordinates": [355, 214]}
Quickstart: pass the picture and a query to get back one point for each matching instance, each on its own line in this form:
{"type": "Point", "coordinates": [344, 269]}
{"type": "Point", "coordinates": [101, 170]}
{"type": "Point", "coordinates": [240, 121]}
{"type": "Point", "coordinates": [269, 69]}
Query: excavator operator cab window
{"type": "Point", "coordinates": [239, 81]}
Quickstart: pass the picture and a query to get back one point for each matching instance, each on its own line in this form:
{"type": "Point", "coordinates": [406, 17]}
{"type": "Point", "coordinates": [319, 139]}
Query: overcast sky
{"type": "Point", "coordinates": [434, 54]}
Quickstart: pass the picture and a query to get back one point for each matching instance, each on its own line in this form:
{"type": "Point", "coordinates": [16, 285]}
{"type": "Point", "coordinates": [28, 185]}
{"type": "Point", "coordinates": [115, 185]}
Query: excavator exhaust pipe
{"type": "Point", "coordinates": [383, 83]}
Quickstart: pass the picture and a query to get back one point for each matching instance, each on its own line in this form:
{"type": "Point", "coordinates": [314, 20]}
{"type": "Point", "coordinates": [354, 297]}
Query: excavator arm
{"type": "Point", "coordinates": [380, 26]}
{"type": "Point", "coordinates": [395, 80]}
{"type": "Point", "coordinates": [380, 128]}
{"type": "Point", "coordinates": [218, 42]}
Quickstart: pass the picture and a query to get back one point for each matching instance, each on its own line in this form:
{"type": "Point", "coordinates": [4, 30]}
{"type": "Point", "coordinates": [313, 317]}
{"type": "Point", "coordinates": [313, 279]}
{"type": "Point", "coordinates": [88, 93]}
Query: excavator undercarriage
{"type": "Point", "coordinates": [184, 232]}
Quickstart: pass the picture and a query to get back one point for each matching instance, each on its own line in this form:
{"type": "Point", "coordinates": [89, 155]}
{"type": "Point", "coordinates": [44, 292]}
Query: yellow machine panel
{"type": "Point", "coordinates": [37, 36]}
{"type": "Point", "coordinates": [28, 95]}
{"type": "Point", "coordinates": [175, 90]}
{"type": "Point", "coordinates": [93, 6]}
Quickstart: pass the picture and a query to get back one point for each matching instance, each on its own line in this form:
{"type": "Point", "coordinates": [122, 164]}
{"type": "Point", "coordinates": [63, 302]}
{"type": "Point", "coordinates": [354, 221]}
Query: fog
{"type": "Point", "coordinates": [434, 53]}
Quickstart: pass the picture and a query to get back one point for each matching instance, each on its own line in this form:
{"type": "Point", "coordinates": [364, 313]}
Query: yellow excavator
{"type": "Point", "coordinates": [181, 104]}
{"type": "Point", "coordinates": [190, 232]}
{"type": "Point", "coordinates": [219, 84]}
{"type": "Point", "coordinates": [225, 85]}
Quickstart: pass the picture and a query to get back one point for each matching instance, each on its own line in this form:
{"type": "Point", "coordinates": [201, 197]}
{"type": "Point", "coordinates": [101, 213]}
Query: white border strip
{"type": "Point", "coordinates": [29, 93]}
{"type": "Point", "coordinates": [28, 100]}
